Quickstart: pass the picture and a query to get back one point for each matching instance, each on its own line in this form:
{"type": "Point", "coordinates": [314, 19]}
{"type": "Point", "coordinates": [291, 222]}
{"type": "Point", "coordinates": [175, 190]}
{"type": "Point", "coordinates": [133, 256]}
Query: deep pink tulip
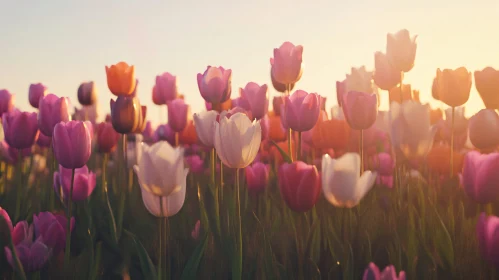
{"type": "Point", "coordinates": [165, 89]}
{"type": "Point", "coordinates": [72, 143]}
{"type": "Point", "coordinates": [360, 109]}
{"type": "Point", "coordinates": [20, 129]}
{"type": "Point", "coordinates": [257, 177]}
{"type": "Point", "coordinates": [484, 129]}
{"type": "Point", "coordinates": [488, 238]}
{"type": "Point", "coordinates": [301, 110]}
{"type": "Point", "coordinates": [386, 180]}
{"type": "Point", "coordinates": [83, 186]}
{"type": "Point", "coordinates": [6, 101]}
{"type": "Point", "coordinates": [52, 110]}
{"type": "Point", "coordinates": [195, 163]}
{"type": "Point", "coordinates": [36, 92]}
{"type": "Point", "coordinates": [52, 229]}
{"type": "Point", "coordinates": [480, 176]}
{"type": "Point", "coordinates": [43, 140]}
{"type": "Point", "coordinates": [341, 88]}
{"type": "Point", "coordinates": [6, 217]}
{"type": "Point", "coordinates": [148, 132]}
{"type": "Point", "coordinates": [383, 164]}
{"type": "Point", "coordinates": [257, 99]}
{"type": "Point", "coordinates": [389, 273]}
{"type": "Point", "coordinates": [241, 102]}
{"type": "Point", "coordinates": [385, 75]}
{"type": "Point", "coordinates": [215, 84]}
{"type": "Point", "coordinates": [286, 63]}
{"type": "Point", "coordinates": [177, 114]}
{"type": "Point", "coordinates": [164, 133]}
{"type": "Point", "coordinates": [300, 185]}
{"type": "Point", "coordinates": [87, 94]}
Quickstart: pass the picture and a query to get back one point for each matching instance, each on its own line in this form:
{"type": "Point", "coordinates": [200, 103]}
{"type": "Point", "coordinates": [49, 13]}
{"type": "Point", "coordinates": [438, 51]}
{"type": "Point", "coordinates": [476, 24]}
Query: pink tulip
{"type": "Point", "coordinates": [164, 133]}
{"type": "Point", "coordinates": [389, 273]}
{"type": "Point", "coordinates": [148, 132]}
{"type": "Point", "coordinates": [480, 176]}
{"type": "Point", "coordinates": [301, 110]}
{"type": "Point", "coordinates": [241, 102]}
{"type": "Point", "coordinates": [52, 230]}
{"type": "Point", "coordinates": [300, 185]}
{"type": "Point", "coordinates": [72, 143]}
{"type": "Point", "coordinates": [195, 163]}
{"type": "Point", "coordinates": [215, 84]}
{"type": "Point", "coordinates": [6, 101]}
{"type": "Point", "coordinates": [44, 141]}
{"type": "Point", "coordinates": [360, 109]}
{"type": "Point", "coordinates": [286, 63]}
{"type": "Point", "coordinates": [177, 114]}
{"type": "Point", "coordinates": [488, 238]}
{"type": "Point", "coordinates": [52, 110]}
{"type": "Point", "coordinates": [385, 75]}
{"type": "Point", "coordinates": [257, 99]}
{"type": "Point", "coordinates": [83, 186]}
{"type": "Point", "coordinates": [165, 89]}
{"type": "Point", "coordinates": [36, 92]}
{"type": "Point", "coordinates": [257, 177]}
{"type": "Point", "coordinates": [20, 129]}
{"type": "Point", "coordinates": [6, 217]}
{"type": "Point", "coordinates": [383, 164]}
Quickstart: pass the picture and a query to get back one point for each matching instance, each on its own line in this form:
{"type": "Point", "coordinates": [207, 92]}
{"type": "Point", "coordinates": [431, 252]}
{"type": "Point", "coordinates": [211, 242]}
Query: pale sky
{"type": "Point", "coordinates": [64, 42]}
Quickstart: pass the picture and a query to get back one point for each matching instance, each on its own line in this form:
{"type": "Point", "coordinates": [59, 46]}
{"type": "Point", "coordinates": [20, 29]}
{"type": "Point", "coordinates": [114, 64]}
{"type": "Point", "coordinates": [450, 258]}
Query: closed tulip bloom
{"type": "Point", "coordinates": [35, 93]}
{"type": "Point", "coordinates": [300, 185]}
{"type": "Point", "coordinates": [165, 89]}
{"type": "Point", "coordinates": [395, 95]}
{"type": "Point", "coordinates": [87, 94]}
{"type": "Point", "coordinates": [436, 115]}
{"type": "Point", "coordinates": [487, 229]}
{"type": "Point", "coordinates": [241, 102]}
{"type": "Point", "coordinates": [205, 124]}
{"type": "Point", "coordinates": [360, 109]}
{"type": "Point", "coordinates": [160, 168]}
{"type": "Point", "coordinates": [453, 86]}
{"type": "Point", "coordinates": [484, 129]}
{"type": "Point", "coordinates": [6, 217]}
{"type": "Point", "coordinates": [330, 134]}
{"type": "Point", "coordinates": [164, 133]}
{"type": "Point", "coordinates": [301, 110]}
{"type": "Point", "coordinates": [148, 132]}
{"type": "Point", "coordinates": [6, 101]}
{"type": "Point", "coordinates": [188, 136]}
{"type": "Point", "coordinates": [20, 129]}
{"type": "Point", "coordinates": [44, 141]}
{"type": "Point", "coordinates": [256, 96]}
{"type": "Point", "coordinates": [177, 114]}
{"type": "Point", "coordinates": [372, 272]}
{"type": "Point", "coordinates": [52, 229]}
{"type": "Point", "coordinates": [341, 183]}
{"type": "Point", "coordinates": [257, 177]}
{"type": "Point", "coordinates": [276, 131]}
{"type": "Point", "coordinates": [195, 163]}
{"type": "Point", "coordinates": [286, 63]}
{"type": "Point", "coordinates": [277, 102]}
{"type": "Point", "coordinates": [126, 114]}
{"type": "Point", "coordinates": [278, 86]}
{"type": "Point", "coordinates": [142, 122]}
{"type": "Point", "coordinates": [385, 75]}
{"type": "Point", "coordinates": [170, 205]}
{"type": "Point", "coordinates": [83, 186]}
{"type": "Point", "coordinates": [52, 110]}
{"type": "Point", "coordinates": [439, 157]}
{"type": "Point", "coordinates": [401, 50]}
{"type": "Point", "coordinates": [121, 79]}
{"type": "Point", "coordinates": [237, 140]}
{"type": "Point", "coordinates": [480, 176]}
{"type": "Point", "coordinates": [487, 85]}
{"type": "Point", "coordinates": [72, 143]}
{"type": "Point", "coordinates": [215, 84]}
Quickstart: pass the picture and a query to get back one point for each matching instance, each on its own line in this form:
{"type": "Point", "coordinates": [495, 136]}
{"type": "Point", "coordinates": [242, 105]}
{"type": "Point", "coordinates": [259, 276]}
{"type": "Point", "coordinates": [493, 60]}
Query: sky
{"type": "Point", "coordinates": [62, 43]}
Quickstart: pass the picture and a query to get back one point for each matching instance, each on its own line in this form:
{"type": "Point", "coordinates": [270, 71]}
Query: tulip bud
{"type": "Point", "coordinates": [177, 114]}
{"type": "Point", "coordinates": [87, 94]}
{"type": "Point", "coordinates": [360, 109]}
{"type": "Point", "coordinates": [215, 84]}
{"type": "Point", "coordinates": [20, 129]}
{"type": "Point", "coordinates": [121, 79]}
{"type": "Point", "coordinates": [484, 129]}
{"type": "Point", "coordinates": [299, 184]}
{"type": "Point", "coordinates": [72, 143]}
{"type": "Point", "coordinates": [52, 110]}
{"type": "Point", "coordinates": [36, 92]}
{"type": "Point", "coordinates": [286, 63]}
{"type": "Point", "coordinates": [6, 101]}
{"type": "Point", "coordinates": [301, 110]}
{"type": "Point", "coordinates": [126, 114]}
{"type": "Point", "coordinates": [107, 137]}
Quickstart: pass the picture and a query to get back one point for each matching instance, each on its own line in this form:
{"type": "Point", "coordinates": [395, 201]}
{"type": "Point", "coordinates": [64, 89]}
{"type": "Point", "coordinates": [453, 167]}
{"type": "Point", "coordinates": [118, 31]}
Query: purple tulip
{"type": "Point", "coordinates": [165, 89]}
{"type": "Point", "coordinates": [257, 177]}
{"type": "Point", "coordinates": [301, 110]}
{"type": "Point", "coordinates": [6, 101]}
{"type": "Point", "coordinates": [177, 114]}
{"type": "Point", "coordinates": [6, 217]}
{"type": "Point", "coordinates": [36, 92]}
{"type": "Point", "coordinates": [52, 230]}
{"type": "Point", "coordinates": [257, 99]}
{"type": "Point", "coordinates": [164, 133]}
{"type": "Point", "coordinates": [13, 153]}
{"type": "Point", "coordinates": [215, 84]}
{"type": "Point", "coordinates": [360, 109]}
{"type": "Point", "coordinates": [72, 143]}
{"type": "Point", "coordinates": [87, 94]}
{"type": "Point", "coordinates": [488, 238]}
{"type": "Point", "coordinates": [195, 163]}
{"type": "Point", "coordinates": [389, 273]}
{"type": "Point", "coordinates": [20, 129]}
{"type": "Point", "coordinates": [241, 102]}
{"type": "Point", "coordinates": [383, 164]}
{"type": "Point", "coordinates": [148, 132]}
{"type": "Point", "coordinates": [52, 110]}
{"type": "Point", "coordinates": [43, 140]}
{"type": "Point", "coordinates": [83, 186]}
{"type": "Point", "coordinates": [480, 176]}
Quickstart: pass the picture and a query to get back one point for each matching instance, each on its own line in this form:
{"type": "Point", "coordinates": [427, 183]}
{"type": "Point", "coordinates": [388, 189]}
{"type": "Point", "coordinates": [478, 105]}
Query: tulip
{"type": "Point", "coordinates": [257, 177]}
{"type": "Point", "coordinates": [434, 89]}
{"type": "Point", "coordinates": [195, 163]}
{"type": "Point", "coordinates": [340, 90]}
{"type": "Point", "coordinates": [401, 50]}
{"type": "Point", "coordinates": [107, 137]}
{"type": "Point", "coordinates": [389, 273]}
{"type": "Point", "coordinates": [487, 229]}
{"type": "Point", "coordinates": [299, 184]}
{"type": "Point", "coordinates": [141, 123]}
{"type": "Point", "coordinates": [215, 84]}
{"type": "Point", "coordinates": [6, 101]}
{"type": "Point", "coordinates": [177, 114]}
{"type": "Point", "coordinates": [241, 102]}
{"type": "Point", "coordinates": [484, 129]}
{"type": "Point", "coordinates": [436, 115]}
{"type": "Point", "coordinates": [171, 204]}
{"type": "Point", "coordinates": [83, 186]}
{"type": "Point", "coordinates": [237, 140]}
{"type": "Point", "coordinates": [51, 229]}
{"type": "Point", "coordinates": [360, 109]}
{"type": "Point", "coordinates": [20, 129]}
{"type": "Point", "coordinates": [277, 103]}
{"type": "Point", "coordinates": [453, 86]}
{"type": "Point", "coordinates": [385, 75]}
{"type": "Point", "coordinates": [282, 88]}
{"type": "Point", "coordinates": [286, 64]}
{"type": "Point", "coordinates": [35, 93]}
{"type": "Point", "coordinates": [205, 124]}
{"type": "Point", "coordinates": [301, 110]}
{"type": "Point", "coordinates": [400, 95]}
{"type": "Point", "coordinates": [6, 217]}
{"type": "Point", "coordinates": [126, 114]}
{"type": "Point", "coordinates": [276, 131]}
{"type": "Point", "coordinates": [52, 110]}
{"type": "Point", "coordinates": [383, 164]}
{"type": "Point", "coordinates": [487, 85]}
{"type": "Point", "coordinates": [256, 96]}
{"type": "Point", "coordinates": [330, 134]}
{"type": "Point", "coordinates": [160, 168]}
{"type": "Point", "coordinates": [87, 94]}
{"type": "Point", "coordinates": [43, 141]}
{"type": "Point", "coordinates": [72, 143]}
{"type": "Point", "coordinates": [360, 80]}
{"type": "Point", "coordinates": [438, 160]}
{"type": "Point", "coordinates": [165, 89]}
{"type": "Point", "coordinates": [164, 133]}
{"type": "Point", "coordinates": [148, 132]}
{"type": "Point", "coordinates": [121, 79]}
{"type": "Point", "coordinates": [480, 176]}
{"type": "Point", "coordinates": [188, 136]}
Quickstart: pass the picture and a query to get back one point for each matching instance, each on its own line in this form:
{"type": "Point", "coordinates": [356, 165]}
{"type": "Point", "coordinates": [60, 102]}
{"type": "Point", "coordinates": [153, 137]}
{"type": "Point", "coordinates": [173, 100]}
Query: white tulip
{"type": "Point", "coordinates": [205, 124]}
{"type": "Point", "coordinates": [341, 181]}
{"type": "Point", "coordinates": [160, 168]}
{"type": "Point", "coordinates": [237, 140]}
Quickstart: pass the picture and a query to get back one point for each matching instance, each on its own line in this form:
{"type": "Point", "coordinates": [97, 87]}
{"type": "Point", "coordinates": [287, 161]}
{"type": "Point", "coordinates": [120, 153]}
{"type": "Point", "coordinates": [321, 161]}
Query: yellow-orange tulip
{"type": "Point", "coordinates": [439, 157]}
{"type": "Point", "coordinates": [121, 79]}
{"type": "Point", "coordinates": [436, 115]}
{"type": "Point", "coordinates": [453, 86]}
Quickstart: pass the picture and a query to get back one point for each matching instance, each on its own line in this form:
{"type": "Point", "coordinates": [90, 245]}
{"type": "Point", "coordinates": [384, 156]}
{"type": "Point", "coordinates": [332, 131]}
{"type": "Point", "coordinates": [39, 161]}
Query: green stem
{"type": "Point", "coordinates": [106, 198]}
{"type": "Point", "coordinates": [237, 267]}
{"type": "Point", "coordinates": [298, 149]}
{"type": "Point", "coordinates": [68, 224]}
{"type": "Point", "coordinates": [452, 144]}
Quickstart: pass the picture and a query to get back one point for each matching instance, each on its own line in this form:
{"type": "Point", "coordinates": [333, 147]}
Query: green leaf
{"type": "Point", "coordinates": [443, 242]}
{"type": "Point", "coordinates": [284, 155]}
{"type": "Point", "coordinates": [191, 268]}
{"type": "Point", "coordinates": [146, 265]}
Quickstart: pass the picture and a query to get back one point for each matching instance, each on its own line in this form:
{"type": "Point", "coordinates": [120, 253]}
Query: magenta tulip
{"type": "Point", "coordinates": [360, 109]}
{"type": "Point", "coordinates": [72, 143]}
{"type": "Point", "coordinates": [6, 101]}
{"type": "Point", "coordinates": [480, 176]}
{"type": "Point", "coordinates": [300, 185]}
{"type": "Point", "coordinates": [488, 238]}
{"type": "Point", "coordinates": [286, 63]}
{"type": "Point", "coordinates": [389, 273]}
{"type": "Point", "coordinates": [83, 186]}
{"type": "Point", "coordinates": [177, 114]}
{"type": "Point", "coordinates": [383, 164]}
{"type": "Point", "coordinates": [241, 102]}
{"type": "Point", "coordinates": [257, 177]}
{"type": "Point", "coordinates": [195, 163]}
{"type": "Point", "coordinates": [44, 141]}
{"type": "Point", "coordinates": [257, 98]}
{"type": "Point", "coordinates": [301, 110]}
{"type": "Point", "coordinates": [164, 133]}
{"type": "Point", "coordinates": [36, 92]}
{"type": "Point", "coordinates": [52, 110]}
{"type": "Point", "coordinates": [6, 217]}
{"type": "Point", "coordinates": [52, 229]}
{"type": "Point", "coordinates": [215, 84]}
{"type": "Point", "coordinates": [165, 89]}
{"type": "Point", "coordinates": [20, 129]}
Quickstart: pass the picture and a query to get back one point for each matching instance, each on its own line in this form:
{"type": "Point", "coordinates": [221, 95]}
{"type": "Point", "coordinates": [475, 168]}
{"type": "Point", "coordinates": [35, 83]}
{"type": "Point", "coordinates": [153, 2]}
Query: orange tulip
{"type": "Point", "coordinates": [439, 157]}
{"type": "Point", "coordinates": [487, 85]}
{"type": "Point", "coordinates": [394, 94]}
{"type": "Point", "coordinates": [453, 86]}
{"type": "Point", "coordinates": [330, 134]}
{"type": "Point", "coordinates": [276, 131]}
{"type": "Point", "coordinates": [121, 79]}
{"type": "Point", "coordinates": [225, 106]}
{"type": "Point", "coordinates": [436, 115]}
{"type": "Point", "coordinates": [188, 136]}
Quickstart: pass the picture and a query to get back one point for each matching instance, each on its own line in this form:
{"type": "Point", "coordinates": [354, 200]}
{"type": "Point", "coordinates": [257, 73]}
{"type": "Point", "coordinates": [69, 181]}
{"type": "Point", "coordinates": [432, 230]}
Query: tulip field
{"type": "Point", "coordinates": [254, 187]}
